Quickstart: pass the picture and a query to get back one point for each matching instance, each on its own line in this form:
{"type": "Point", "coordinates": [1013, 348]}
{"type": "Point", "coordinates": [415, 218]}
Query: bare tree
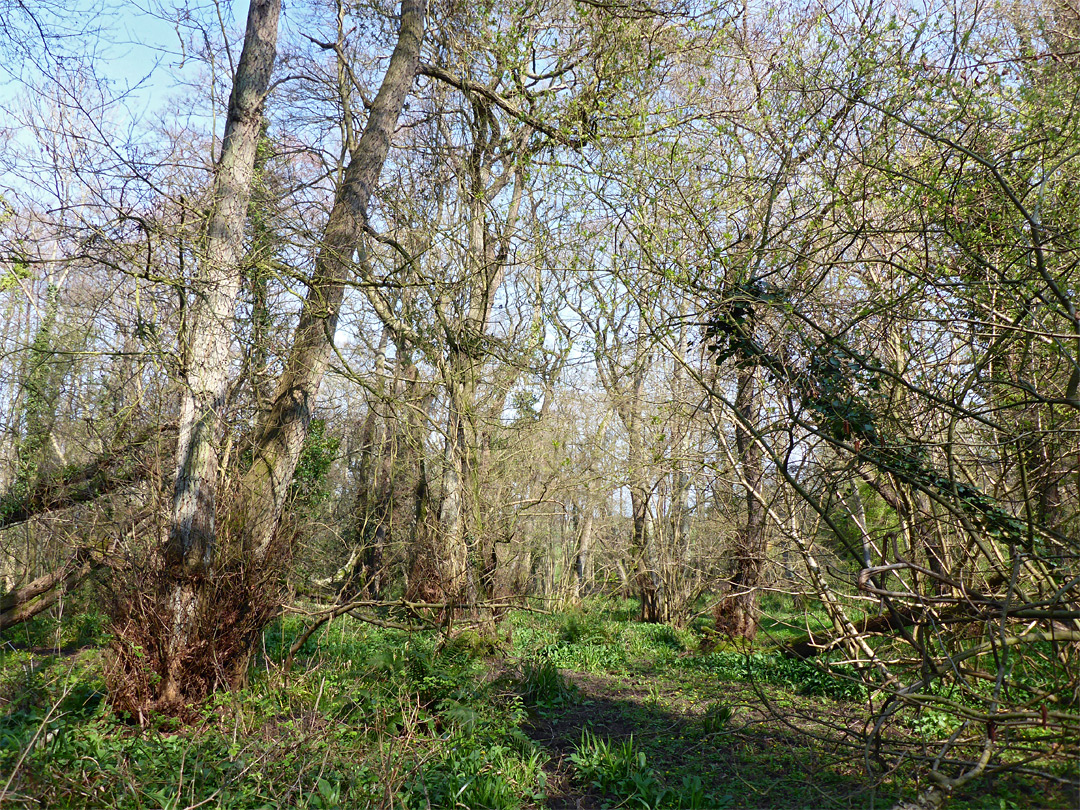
{"type": "Point", "coordinates": [206, 335]}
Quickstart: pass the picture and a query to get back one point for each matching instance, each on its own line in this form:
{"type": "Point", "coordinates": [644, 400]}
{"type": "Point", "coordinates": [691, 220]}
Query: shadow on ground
{"type": "Point", "coordinates": [746, 760]}
{"type": "Point", "coordinates": [750, 759]}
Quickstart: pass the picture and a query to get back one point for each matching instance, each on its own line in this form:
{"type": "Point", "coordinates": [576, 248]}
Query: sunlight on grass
{"type": "Point", "coordinates": [377, 717]}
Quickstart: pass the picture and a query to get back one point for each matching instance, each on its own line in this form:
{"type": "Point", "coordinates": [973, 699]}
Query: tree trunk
{"type": "Point", "coordinates": [647, 579]}
{"type": "Point", "coordinates": [205, 338]}
{"type": "Point", "coordinates": [208, 330]}
{"type": "Point", "coordinates": [737, 613]}
{"type": "Point", "coordinates": [41, 382]}
{"type": "Point", "coordinates": [423, 580]}
{"type": "Point", "coordinates": [680, 577]}
{"type": "Point", "coordinates": [281, 436]}
{"type": "Point", "coordinates": [455, 508]}
{"type": "Point", "coordinates": [372, 510]}
{"type": "Point", "coordinates": [583, 560]}
{"type": "Point", "coordinates": [34, 597]}
{"type": "Point", "coordinates": [486, 258]}
{"type": "Point", "coordinates": [214, 616]}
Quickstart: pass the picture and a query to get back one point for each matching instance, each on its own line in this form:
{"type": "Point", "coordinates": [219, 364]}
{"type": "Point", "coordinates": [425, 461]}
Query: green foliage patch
{"type": "Point", "coordinates": [369, 717]}
{"type": "Point", "coordinates": [620, 773]}
{"type": "Point", "coordinates": [599, 639]}
{"type": "Point", "coordinates": [543, 687]}
{"type": "Point", "coordinates": [804, 677]}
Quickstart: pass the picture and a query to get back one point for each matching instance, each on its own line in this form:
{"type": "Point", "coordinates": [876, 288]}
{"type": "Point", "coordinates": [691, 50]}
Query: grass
{"type": "Point", "coordinates": [587, 706]}
{"type": "Point", "coordinates": [375, 718]}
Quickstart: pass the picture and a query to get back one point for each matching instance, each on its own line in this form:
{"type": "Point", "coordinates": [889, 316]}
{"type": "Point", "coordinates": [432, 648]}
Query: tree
{"type": "Point", "coordinates": [885, 313]}
{"type": "Point", "coordinates": [736, 614]}
{"type": "Point", "coordinates": [214, 617]}
{"type": "Point", "coordinates": [206, 334]}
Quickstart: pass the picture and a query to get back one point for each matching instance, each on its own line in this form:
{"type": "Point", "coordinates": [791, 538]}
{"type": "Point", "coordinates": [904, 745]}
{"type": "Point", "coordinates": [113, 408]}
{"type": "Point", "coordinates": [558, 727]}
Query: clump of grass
{"type": "Point", "coordinates": [715, 717]}
{"type": "Point", "coordinates": [657, 642]}
{"type": "Point", "coordinates": [471, 644]}
{"type": "Point", "coordinates": [617, 771]}
{"type": "Point", "coordinates": [471, 771]}
{"type": "Point", "coordinates": [542, 686]}
{"type": "Point", "coordinates": [579, 627]}
{"type": "Point", "coordinates": [622, 775]}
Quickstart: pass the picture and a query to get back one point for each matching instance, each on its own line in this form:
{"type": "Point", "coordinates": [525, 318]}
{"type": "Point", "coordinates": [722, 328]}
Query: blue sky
{"type": "Point", "coordinates": [136, 48]}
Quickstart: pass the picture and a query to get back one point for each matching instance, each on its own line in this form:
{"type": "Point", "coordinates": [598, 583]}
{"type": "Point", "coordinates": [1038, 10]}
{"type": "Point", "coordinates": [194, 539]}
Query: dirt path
{"type": "Point", "coordinates": [744, 745]}
{"type": "Point", "coordinates": [744, 760]}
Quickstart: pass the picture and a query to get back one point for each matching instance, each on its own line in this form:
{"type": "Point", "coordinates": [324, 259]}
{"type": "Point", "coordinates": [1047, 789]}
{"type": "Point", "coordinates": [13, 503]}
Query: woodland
{"type": "Point", "coordinates": [555, 403]}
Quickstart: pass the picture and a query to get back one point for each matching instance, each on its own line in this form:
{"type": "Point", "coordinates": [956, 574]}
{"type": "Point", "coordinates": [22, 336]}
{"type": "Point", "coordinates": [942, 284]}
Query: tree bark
{"type": "Point", "coordinates": [458, 575]}
{"type": "Point", "coordinates": [205, 338]}
{"type": "Point", "coordinates": [209, 329]}
{"type": "Point", "coordinates": [486, 260]}
{"type": "Point", "coordinates": [282, 433]}
{"type": "Point", "coordinates": [649, 586]}
{"type": "Point", "coordinates": [214, 616]}
{"type": "Point", "coordinates": [737, 613]}
{"type": "Point", "coordinates": [681, 580]}
{"type": "Point", "coordinates": [583, 555]}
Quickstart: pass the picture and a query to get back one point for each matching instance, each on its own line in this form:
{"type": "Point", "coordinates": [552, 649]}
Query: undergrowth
{"type": "Point", "coordinates": [620, 773]}
{"type": "Point", "coordinates": [373, 717]}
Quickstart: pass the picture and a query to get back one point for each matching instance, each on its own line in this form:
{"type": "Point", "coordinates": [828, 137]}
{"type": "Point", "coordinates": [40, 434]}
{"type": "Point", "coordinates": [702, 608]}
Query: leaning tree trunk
{"type": "Point", "coordinates": [737, 613]}
{"type": "Point", "coordinates": [281, 436]}
{"type": "Point", "coordinates": [209, 625]}
{"type": "Point", "coordinates": [205, 337]}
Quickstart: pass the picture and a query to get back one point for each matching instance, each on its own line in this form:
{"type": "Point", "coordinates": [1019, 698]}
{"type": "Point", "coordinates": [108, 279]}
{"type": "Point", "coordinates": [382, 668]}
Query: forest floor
{"type": "Point", "coordinates": [751, 759]}
{"type": "Point", "coordinates": [729, 728]}
{"type": "Point", "coordinates": [577, 709]}
{"type": "Point", "coordinates": [774, 750]}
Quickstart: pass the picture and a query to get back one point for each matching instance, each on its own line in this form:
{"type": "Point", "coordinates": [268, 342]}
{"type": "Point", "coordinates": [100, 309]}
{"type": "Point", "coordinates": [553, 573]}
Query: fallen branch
{"type": "Point", "coordinates": [22, 604]}
{"type": "Point", "coordinates": [810, 645]}
{"type": "Point", "coordinates": [105, 474]}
